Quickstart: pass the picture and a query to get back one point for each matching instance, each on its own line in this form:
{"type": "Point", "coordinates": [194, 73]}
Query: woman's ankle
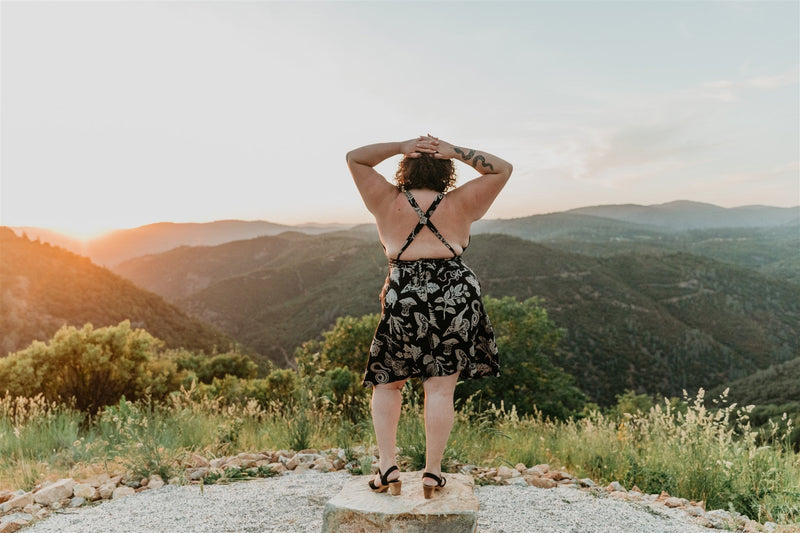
{"type": "Point", "coordinates": [434, 470]}
{"type": "Point", "coordinates": [384, 466]}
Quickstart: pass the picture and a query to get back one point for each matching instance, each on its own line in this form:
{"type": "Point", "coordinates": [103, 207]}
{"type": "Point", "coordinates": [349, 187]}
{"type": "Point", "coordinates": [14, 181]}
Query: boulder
{"type": "Point", "coordinates": [17, 502]}
{"type": "Point", "coordinates": [156, 482]}
{"type": "Point", "coordinates": [84, 490]}
{"type": "Point", "coordinates": [454, 509]}
{"type": "Point", "coordinates": [55, 491]}
{"type": "Point", "coordinates": [197, 461]}
{"type": "Point", "coordinates": [196, 474]}
{"type": "Point", "coordinates": [77, 501]}
{"type": "Point", "coordinates": [292, 463]}
{"type": "Point", "coordinates": [106, 490]}
{"type": "Point", "coordinates": [675, 502]}
{"type": "Point", "coordinates": [543, 468]}
{"type": "Point", "coordinates": [5, 495]}
{"type": "Point", "coordinates": [557, 475]}
{"type": "Point", "coordinates": [13, 523]}
{"type": "Point", "coordinates": [518, 481]}
{"type": "Point", "coordinates": [505, 472]}
{"type": "Point", "coordinates": [217, 463]}
{"type": "Point", "coordinates": [119, 492]}
{"type": "Point", "coordinates": [278, 468]}
{"type": "Point", "coordinates": [32, 509]}
{"type": "Point", "coordinates": [541, 482]}
{"type": "Point", "coordinates": [616, 486]}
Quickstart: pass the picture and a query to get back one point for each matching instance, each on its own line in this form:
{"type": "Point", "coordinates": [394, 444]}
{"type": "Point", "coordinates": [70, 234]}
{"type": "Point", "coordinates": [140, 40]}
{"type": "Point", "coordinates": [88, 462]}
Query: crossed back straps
{"type": "Point", "coordinates": [424, 220]}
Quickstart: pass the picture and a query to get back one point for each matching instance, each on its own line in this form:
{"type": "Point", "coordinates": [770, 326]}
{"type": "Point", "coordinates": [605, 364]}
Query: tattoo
{"type": "Point", "coordinates": [483, 162]}
{"type": "Point", "coordinates": [467, 156]}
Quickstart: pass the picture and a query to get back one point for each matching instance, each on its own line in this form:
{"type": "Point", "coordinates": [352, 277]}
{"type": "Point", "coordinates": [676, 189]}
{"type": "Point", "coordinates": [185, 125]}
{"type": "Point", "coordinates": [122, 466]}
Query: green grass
{"type": "Point", "coordinates": [681, 447]}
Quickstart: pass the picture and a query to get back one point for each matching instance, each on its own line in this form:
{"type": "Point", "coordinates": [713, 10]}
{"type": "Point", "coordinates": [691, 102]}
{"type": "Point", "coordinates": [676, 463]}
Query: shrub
{"type": "Point", "coordinates": [94, 366]}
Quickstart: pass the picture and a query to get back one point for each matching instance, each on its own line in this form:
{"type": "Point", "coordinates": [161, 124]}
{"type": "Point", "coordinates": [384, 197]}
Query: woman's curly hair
{"type": "Point", "coordinates": [425, 172]}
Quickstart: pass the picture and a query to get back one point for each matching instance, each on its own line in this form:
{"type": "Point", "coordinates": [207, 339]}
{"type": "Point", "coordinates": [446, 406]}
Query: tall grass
{"type": "Point", "coordinates": [679, 447]}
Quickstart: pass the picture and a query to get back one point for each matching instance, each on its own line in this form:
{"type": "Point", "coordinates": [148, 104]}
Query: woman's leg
{"type": "Point", "coordinates": [439, 416]}
{"type": "Point", "coordinates": [386, 402]}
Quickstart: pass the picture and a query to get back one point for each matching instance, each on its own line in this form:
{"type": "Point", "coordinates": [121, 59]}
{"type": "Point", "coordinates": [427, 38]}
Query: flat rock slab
{"type": "Point", "coordinates": [356, 509]}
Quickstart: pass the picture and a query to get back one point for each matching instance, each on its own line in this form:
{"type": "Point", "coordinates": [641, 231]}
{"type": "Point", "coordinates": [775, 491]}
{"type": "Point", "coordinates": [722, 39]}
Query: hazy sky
{"type": "Point", "coordinates": [118, 114]}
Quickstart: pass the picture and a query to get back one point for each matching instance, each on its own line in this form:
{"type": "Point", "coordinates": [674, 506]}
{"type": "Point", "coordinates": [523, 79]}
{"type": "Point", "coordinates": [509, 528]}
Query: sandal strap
{"type": "Point", "coordinates": [440, 481]}
{"type": "Point", "coordinates": [385, 475]}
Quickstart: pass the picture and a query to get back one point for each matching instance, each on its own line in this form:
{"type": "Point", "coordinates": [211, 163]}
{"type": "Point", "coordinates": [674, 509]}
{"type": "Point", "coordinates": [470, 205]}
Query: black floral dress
{"type": "Point", "coordinates": [433, 322]}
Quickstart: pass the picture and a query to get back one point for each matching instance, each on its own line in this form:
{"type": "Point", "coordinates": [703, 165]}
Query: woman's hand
{"type": "Point", "coordinates": [416, 147]}
{"type": "Point", "coordinates": [444, 150]}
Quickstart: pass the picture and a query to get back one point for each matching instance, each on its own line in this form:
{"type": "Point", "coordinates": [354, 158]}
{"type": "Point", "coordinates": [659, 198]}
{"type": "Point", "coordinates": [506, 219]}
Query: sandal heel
{"type": "Point", "coordinates": [394, 487]}
{"type": "Point", "coordinates": [429, 490]}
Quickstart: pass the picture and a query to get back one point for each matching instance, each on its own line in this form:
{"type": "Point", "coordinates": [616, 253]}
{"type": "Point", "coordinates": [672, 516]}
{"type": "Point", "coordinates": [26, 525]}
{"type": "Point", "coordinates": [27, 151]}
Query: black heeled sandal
{"type": "Point", "coordinates": [429, 490]}
{"type": "Point", "coordinates": [393, 485]}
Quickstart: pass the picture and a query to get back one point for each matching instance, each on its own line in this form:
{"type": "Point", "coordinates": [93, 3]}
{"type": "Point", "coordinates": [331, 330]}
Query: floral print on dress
{"type": "Point", "coordinates": [433, 323]}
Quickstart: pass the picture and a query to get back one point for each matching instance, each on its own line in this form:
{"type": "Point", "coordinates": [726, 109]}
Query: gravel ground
{"type": "Point", "coordinates": [295, 503]}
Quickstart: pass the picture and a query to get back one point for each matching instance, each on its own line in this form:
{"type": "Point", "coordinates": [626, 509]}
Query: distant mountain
{"type": "Point", "coordinates": [184, 271]}
{"type": "Point", "coordinates": [611, 224]}
{"type": "Point", "coordinates": [43, 287]}
{"type": "Point", "coordinates": [274, 291]}
{"type": "Point", "coordinates": [652, 323]}
{"type": "Point", "coordinates": [120, 245]}
{"type": "Point", "coordinates": [684, 215]}
{"type": "Point", "coordinates": [569, 226]}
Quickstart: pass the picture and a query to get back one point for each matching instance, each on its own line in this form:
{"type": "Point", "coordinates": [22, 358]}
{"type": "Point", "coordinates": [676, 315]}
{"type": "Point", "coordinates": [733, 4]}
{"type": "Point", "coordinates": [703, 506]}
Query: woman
{"type": "Point", "coordinates": [433, 324]}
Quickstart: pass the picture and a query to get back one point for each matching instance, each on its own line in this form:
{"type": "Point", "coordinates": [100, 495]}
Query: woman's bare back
{"type": "Point", "coordinates": [400, 218]}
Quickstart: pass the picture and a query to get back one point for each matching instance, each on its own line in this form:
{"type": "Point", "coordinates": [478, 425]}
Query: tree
{"type": "Point", "coordinates": [526, 340]}
{"type": "Point", "coordinates": [95, 366]}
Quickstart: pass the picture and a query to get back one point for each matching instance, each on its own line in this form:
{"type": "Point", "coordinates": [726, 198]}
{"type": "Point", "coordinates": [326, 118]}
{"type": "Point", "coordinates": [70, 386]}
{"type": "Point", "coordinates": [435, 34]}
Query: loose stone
{"type": "Point", "coordinates": [84, 490]}
{"type": "Point", "coordinates": [616, 486]}
{"type": "Point", "coordinates": [77, 501]}
{"type": "Point", "coordinates": [54, 492]}
{"type": "Point", "coordinates": [156, 482]}
{"type": "Point", "coordinates": [119, 492]}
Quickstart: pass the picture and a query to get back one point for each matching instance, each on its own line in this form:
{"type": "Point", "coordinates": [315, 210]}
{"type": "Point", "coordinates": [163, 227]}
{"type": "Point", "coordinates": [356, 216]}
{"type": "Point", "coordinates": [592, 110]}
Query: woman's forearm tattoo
{"type": "Point", "coordinates": [467, 156]}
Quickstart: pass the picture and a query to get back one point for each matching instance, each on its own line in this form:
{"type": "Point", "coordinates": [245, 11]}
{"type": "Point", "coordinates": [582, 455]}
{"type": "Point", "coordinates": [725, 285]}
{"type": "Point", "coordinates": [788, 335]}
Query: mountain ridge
{"type": "Point", "coordinates": [43, 287]}
{"type": "Point", "coordinates": [633, 321]}
{"type": "Point", "coordinates": [119, 245]}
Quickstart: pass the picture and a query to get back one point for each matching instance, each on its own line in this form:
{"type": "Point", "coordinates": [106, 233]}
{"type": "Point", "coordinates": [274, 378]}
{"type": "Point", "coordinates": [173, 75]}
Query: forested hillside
{"type": "Point", "coordinates": [684, 215]}
{"type": "Point", "coordinates": [771, 250]}
{"type": "Point", "coordinates": [651, 323]}
{"type": "Point", "coordinates": [775, 385]}
{"type": "Point", "coordinates": [43, 287]}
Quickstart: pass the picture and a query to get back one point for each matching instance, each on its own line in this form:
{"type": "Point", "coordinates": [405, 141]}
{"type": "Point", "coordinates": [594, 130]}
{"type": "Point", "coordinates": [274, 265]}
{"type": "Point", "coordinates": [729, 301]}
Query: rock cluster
{"type": "Point", "coordinates": [19, 508]}
{"type": "Point", "coordinates": [543, 476]}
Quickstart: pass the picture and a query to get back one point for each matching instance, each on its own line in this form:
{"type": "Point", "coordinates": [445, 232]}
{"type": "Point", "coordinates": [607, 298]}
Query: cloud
{"type": "Point", "coordinates": [729, 90]}
{"type": "Point", "coordinates": [738, 178]}
{"type": "Point", "coordinates": [637, 152]}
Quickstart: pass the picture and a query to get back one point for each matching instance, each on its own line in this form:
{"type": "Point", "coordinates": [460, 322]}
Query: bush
{"type": "Point", "coordinates": [96, 367]}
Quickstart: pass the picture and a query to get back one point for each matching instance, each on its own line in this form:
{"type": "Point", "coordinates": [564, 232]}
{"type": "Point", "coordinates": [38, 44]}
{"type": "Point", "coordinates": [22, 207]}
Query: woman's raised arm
{"type": "Point", "coordinates": [374, 189]}
{"type": "Point", "coordinates": [476, 196]}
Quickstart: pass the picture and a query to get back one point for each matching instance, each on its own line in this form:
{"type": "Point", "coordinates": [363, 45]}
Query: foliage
{"type": "Point", "coordinates": [207, 368]}
{"type": "Point", "coordinates": [333, 368]}
{"type": "Point", "coordinates": [650, 319]}
{"type": "Point", "coordinates": [679, 446]}
{"type": "Point", "coordinates": [94, 366]}
{"type": "Point", "coordinates": [526, 341]}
